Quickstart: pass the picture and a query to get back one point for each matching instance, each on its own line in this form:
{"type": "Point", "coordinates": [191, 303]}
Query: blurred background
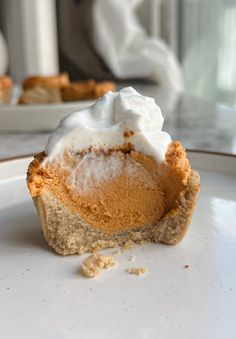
{"type": "Point", "coordinates": [181, 52]}
{"type": "Point", "coordinates": [49, 36]}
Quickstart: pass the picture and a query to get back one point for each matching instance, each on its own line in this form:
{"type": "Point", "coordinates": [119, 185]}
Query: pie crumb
{"type": "Point", "coordinates": [132, 258]}
{"type": "Point", "coordinates": [117, 252]}
{"type": "Point", "coordinates": [93, 264]}
{"type": "Point", "coordinates": [137, 270]}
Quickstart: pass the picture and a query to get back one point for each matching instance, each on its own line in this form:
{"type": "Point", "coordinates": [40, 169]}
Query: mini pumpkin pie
{"type": "Point", "coordinates": [6, 86]}
{"type": "Point", "coordinates": [86, 90]}
{"type": "Point", "coordinates": [110, 176]}
{"type": "Point", "coordinates": [43, 89]}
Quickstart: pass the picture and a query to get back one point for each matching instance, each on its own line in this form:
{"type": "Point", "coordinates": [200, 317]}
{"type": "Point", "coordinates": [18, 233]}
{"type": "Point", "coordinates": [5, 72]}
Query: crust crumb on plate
{"type": "Point", "coordinates": [137, 270]}
{"type": "Point", "coordinates": [132, 258]}
{"type": "Point", "coordinates": [93, 264]}
{"type": "Point", "coordinates": [116, 252]}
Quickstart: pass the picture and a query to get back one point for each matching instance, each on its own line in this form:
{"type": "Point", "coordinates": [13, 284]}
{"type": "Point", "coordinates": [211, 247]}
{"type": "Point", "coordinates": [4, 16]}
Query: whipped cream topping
{"type": "Point", "coordinates": [115, 119]}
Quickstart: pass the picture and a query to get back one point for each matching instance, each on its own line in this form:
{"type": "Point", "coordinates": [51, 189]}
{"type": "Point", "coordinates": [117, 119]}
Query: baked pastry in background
{"type": "Point", "coordinates": [43, 89]}
{"type": "Point", "coordinates": [6, 86]}
{"type": "Point", "coordinates": [86, 90]}
{"type": "Point", "coordinates": [111, 177]}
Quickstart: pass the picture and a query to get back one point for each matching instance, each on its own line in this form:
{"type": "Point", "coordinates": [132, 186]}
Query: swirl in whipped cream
{"type": "Point", "coordinates": [107, 125]}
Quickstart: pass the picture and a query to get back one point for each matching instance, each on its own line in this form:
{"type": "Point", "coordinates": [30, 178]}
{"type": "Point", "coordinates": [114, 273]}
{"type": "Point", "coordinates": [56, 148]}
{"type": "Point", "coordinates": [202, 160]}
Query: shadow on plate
{"type": "Point", "coordinates": [20, 228]}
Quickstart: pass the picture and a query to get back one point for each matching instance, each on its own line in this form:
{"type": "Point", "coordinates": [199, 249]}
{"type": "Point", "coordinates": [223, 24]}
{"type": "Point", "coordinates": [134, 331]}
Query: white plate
{"type": "Point", "coordinates": [42, 294]}
{"type": "Point", "coordinates": [29, 118]}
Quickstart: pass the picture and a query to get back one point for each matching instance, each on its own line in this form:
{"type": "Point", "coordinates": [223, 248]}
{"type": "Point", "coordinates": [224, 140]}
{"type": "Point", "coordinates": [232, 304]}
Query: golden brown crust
{"type": "Point", "coordinates": [176, 158]}
{"type": "Point", "coordinates": [36, 175]}
{"type": "Point", "coordinates": [102, 88]}
{"type": "Point", "coordinates": [5, 82]}
{"type": "Point", "coordinates": [56, 81]}
{"type": "Point", "coordinates": [6, 86]}
{"type": "Point", "coordinates": [87, 90]}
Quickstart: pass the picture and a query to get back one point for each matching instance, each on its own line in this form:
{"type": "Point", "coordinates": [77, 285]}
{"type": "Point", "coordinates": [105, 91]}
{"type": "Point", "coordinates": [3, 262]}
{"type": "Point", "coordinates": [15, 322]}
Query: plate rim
{"type": "Point", "coordinates": [20, 157]}
{"type": "Point", "coordinates": [211, 152]}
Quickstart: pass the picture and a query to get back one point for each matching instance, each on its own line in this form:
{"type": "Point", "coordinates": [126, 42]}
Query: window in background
{"type": "Point", "coordinates": [207, 49]}
{"type": "Point", "coordinates": [202, 33]}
